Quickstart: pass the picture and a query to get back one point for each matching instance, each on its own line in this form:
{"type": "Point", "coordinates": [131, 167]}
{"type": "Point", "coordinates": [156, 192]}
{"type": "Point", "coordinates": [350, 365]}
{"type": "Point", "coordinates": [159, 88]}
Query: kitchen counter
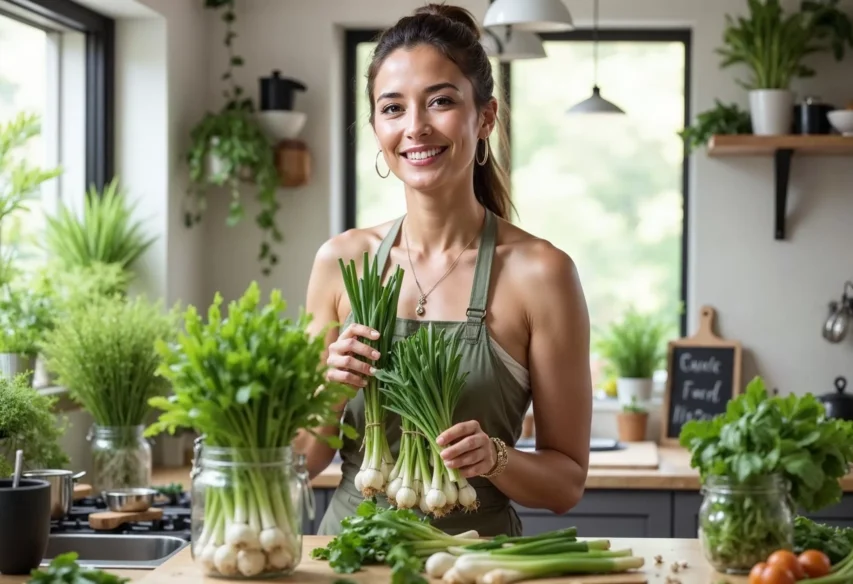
{"type": "Point", "coordinates": [182, 570]}
{"type": "Point", "coordinates": [673, 474]}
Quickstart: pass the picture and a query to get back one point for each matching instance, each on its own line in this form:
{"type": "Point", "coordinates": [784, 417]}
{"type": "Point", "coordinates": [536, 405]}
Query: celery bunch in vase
{"type": "Point", "coordinates": [374, 305]}
{"type": "Point", "coordinates": [248, 383]}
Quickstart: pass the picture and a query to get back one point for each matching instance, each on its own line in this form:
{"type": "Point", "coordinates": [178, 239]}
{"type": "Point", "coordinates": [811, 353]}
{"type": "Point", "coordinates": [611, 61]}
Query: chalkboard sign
{"type": "Point", "coordinates": [703, 374]}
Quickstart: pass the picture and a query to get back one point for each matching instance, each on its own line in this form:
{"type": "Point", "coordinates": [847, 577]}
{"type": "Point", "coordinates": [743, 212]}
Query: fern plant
{"type": "Point", "coordinates": [635, 346]}
{"type": "Point", "coordinates": [106, 233]}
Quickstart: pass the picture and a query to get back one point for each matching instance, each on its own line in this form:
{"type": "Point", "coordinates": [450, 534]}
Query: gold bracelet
{"type": "Point", "coordinates": [500, 463]}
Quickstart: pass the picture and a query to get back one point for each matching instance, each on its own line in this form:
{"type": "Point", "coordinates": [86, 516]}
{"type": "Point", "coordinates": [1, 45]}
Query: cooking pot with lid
{"type": "Point", "coordinates": [838, 404]}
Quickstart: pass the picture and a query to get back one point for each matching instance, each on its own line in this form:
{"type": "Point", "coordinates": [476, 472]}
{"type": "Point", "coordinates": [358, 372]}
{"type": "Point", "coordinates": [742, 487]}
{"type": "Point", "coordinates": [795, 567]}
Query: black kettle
{"type": "Point", "coordinates": [838, 404]}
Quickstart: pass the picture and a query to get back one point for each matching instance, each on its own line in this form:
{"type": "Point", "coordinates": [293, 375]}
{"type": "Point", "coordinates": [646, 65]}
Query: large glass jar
{"type": "Point", "coordinates": [741, 523]}
{"type": "Point", "coordinates": [121, 457]}
{"type": "Point", "coordinates": [247, 509]}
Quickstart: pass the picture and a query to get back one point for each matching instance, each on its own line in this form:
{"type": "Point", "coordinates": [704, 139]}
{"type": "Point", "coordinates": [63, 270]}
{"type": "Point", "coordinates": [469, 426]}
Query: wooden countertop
{"type": "Point", "coordinates": [182, 570]}
{"type": "Point", "coordinates": [673, 473]}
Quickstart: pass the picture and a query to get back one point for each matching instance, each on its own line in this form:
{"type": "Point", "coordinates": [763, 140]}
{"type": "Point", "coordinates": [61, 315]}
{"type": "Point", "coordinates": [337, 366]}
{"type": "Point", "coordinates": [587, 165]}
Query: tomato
{"type": "Point", "coordinates": [787, 560]}
{"type": "Point", "coordinates": [756, 572]}
{"type": "Point", "coordinates": [815, 563]}
{"type": "Point", "coordinates": [764, 573]}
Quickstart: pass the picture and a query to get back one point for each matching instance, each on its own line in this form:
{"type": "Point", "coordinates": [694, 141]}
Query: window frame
{"type": "Point", "coordinates": [55, 15]}
{"type": "Point", "coordinates": [354, 37]}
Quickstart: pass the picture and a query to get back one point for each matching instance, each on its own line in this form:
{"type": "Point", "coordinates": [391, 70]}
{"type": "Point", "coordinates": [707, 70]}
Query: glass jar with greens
{"type": "Point", "coordinates": [247, 509]}
{"type": "Point", "coordinates": [121, 457]}
{"type": "Point", "coordinates": [741, 523]}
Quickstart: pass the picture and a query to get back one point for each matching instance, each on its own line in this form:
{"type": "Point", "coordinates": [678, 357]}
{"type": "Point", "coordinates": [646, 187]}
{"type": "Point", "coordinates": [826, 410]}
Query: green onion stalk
{"type": "Point", "coordinates": [248, 384]}
{"type": "Point", "coordinates": [423, 386]}
{"type": "Point", "coordinates": [374, 305]}
{"type": "Point", "coordinates": [513, 559]}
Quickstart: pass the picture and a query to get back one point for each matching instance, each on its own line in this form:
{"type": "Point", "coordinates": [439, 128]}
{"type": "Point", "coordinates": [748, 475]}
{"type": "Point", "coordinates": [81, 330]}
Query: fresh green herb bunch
{"type": "Point", "coordinates": [742, 523]}
{"type": "Point", "coordinates": [64, 569]}
{"type": "Point", "coordinates": [28, 422]}
{"type": "Point", "coordinates": [835, 542]}
{"type": "Point", "coordinates": [25, 317]}
{"type": "Point", "coordinates": [424, 387]}
{"type": "Point", "coordinates": [249, 380]}
{"type": "Point", "coordinates": [104, 353]}
{"type": "Point", "coordinates": [374, 305]}
{"type": "Point", "coordinates": [759, 435]}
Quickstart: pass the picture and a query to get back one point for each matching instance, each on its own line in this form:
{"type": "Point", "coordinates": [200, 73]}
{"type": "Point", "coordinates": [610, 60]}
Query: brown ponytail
{"type": "Point", "coordinates": [454, 32]}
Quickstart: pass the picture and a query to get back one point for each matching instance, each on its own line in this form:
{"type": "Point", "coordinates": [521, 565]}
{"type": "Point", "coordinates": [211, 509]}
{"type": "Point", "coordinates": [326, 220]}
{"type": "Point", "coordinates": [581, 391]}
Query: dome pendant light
{"type": "Point", "coordinates": [509, 44]}
{"type": "Point", "coordinates": [595, 104]}
{"type": "Point", "coordinates": [530, 15]}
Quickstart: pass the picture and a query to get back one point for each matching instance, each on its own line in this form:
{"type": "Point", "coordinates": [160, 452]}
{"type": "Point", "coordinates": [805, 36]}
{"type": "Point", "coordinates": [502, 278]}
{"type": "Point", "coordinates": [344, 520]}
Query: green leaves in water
{"type": "Point", "coordinates": [760, 435]}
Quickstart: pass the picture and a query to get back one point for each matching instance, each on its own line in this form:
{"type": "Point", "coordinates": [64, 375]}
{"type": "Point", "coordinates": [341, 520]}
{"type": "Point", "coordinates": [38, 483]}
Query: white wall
{"type": "Point", "coordinates": [771, 295]}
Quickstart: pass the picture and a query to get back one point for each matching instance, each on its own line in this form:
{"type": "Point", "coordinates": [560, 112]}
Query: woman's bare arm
{"type": "Point", "coordinates": [554, 476]}
{"type": "Point", "coordinates": [322, 302]}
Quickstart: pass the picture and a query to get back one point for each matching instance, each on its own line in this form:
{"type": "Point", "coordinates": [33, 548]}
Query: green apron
{"type": "Point", "coordinates": [492, 396]}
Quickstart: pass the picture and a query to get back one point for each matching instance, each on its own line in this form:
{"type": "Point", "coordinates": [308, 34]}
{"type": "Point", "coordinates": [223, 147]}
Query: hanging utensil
{"type": "Point", "coordinates": [836, 326]}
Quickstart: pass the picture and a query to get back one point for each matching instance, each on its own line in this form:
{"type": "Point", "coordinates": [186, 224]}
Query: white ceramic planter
{"type": "Point", "coordinates": [14, 364]}
{"type": "Point", "coordinates": [628, 388]}
{"type": "Point", "coordinates": [771, 111]}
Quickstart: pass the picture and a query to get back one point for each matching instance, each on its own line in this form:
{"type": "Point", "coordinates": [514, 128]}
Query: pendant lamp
{"type": "Point", "coordinates": [530, 15]}
{"type": "Point", "coordinates": [595, 104]}
{"type": "Point", "coordinates": [509, 44]}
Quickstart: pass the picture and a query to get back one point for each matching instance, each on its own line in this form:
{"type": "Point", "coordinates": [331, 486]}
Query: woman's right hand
{"type": "Point", "coordinates": [344, 367]}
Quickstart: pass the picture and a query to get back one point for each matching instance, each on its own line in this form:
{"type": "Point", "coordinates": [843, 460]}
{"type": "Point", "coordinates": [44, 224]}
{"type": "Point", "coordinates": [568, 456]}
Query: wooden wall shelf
{"type": "Point", "coordinates": [782, 149]}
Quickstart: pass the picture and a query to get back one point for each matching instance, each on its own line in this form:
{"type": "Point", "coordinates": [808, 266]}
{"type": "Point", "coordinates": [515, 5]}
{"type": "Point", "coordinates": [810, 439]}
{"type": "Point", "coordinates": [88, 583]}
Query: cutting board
{"type": "Point", "coordinates": [82, 490]}
{"type": "Point", "coordinates": [112, 519]}
{"type": "Point", "coordinates": [631, 456]}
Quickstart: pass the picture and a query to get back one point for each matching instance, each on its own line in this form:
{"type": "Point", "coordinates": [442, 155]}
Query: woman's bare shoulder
{"type": "Point", "coordinates": [533, 260]}
{"type": "Point", "coordinates": [350, 245]}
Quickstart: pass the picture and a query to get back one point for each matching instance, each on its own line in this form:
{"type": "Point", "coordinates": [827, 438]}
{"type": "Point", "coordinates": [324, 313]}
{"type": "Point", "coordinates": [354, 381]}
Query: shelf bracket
{"type": "Point", "coordinates": [782, 164]}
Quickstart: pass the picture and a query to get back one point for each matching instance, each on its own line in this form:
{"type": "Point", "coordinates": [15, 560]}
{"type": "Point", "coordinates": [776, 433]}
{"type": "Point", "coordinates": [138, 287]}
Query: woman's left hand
{"type": "Point", "coordinates": [472, 451]}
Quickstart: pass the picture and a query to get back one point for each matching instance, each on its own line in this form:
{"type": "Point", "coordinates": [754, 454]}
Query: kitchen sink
{"type": "Point", "coordinates": [106, 551]}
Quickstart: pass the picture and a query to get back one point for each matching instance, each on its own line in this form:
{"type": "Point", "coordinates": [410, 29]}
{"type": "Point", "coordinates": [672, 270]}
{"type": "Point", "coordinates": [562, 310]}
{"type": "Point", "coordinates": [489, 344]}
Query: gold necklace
{"type": "Point", "coordinates": [423, 297]}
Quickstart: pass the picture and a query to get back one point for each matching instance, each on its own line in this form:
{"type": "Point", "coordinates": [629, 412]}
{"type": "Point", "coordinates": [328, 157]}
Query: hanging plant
{"type": "Point", "coordinates": [229, 149]}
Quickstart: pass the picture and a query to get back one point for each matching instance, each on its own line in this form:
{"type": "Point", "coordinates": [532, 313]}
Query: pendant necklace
{"type": "Point", "coordinates": [420, 310]}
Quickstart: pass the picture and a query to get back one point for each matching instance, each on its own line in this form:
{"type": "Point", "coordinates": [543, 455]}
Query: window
{"type": "Point", "coordinates": [608, 190]}
{"type": "Point", "coordinates": [56, 63]}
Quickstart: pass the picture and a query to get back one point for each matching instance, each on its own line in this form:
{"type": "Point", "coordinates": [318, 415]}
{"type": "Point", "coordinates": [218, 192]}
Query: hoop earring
{"type": "Point", "coordinates": [376, 166]}
{"type": "Point", "coordinates": [486, 155]}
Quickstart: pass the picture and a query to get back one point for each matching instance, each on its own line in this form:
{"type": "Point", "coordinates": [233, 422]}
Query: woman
{"type": "Point", "coordinates": [515, 298]}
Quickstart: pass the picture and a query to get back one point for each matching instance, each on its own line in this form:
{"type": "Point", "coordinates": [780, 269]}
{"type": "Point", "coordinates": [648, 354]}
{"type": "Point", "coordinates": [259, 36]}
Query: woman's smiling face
{"type": "Point", "coordinates": [426, 119]}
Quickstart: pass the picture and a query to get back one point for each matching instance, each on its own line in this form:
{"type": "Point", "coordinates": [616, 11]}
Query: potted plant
{"type": "Point", "coordinates": [773, 45]}
{"type": "Point", "coordinates": [229, 148]}
{"type": "Point", "coordinates": [103, 352]}
{"type": "Point", "coordinates": [106, 233]}
{"type": "Point", "coordinates": [28, 422]}
{"type": "Point", "coordinates": [633, 349]}
{"type": "Point", "coordinates": [721, 119]}
{"type": "Point", "coordinates": [632, 422]}
{"type": "Point", "coordinates": [25, 317]}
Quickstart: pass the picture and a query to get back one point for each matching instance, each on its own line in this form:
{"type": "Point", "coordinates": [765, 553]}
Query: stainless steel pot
{"type": "Point", "coordinates": [61, 488]}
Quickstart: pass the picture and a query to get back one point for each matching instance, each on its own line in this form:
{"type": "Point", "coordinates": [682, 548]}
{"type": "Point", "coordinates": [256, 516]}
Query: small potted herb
{"type": "Point", "coordinates": [25, 317]}
{"type": "Point", "coordinates": [761, 462]}
{"type": "Point", "coordinates": [721, 119]}
{"type": "Point", "coordinates": [103, 352]}
{"type": "Point", "coordinates": [632, 422]}
{"type": "Point", "coordinates": [28, 422]}
{"type": "Point", "coordinates": [634, 348]}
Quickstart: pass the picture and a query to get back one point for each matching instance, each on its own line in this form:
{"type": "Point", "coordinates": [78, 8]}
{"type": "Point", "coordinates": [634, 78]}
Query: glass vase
{"type": "Point", "coordinates": [121, 457]}
{"type": "Point", "coordinates": [742, 523]}
{"type": "Point", "coordinates": [247, 509]}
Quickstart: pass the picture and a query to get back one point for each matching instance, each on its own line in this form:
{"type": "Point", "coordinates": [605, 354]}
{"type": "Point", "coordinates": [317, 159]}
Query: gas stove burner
{"type": "Point", "coordinates": [175, 520]}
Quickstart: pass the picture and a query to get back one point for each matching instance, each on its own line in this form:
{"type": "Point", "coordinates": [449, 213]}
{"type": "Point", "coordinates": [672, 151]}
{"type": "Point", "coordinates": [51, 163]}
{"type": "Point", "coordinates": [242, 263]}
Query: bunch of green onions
{"type": "Point", "coordinates": [248, 384]}
{"type": "Point", "coordinates": [513, 559]}
{"type": "Point", "coordinates": [423, 387]}
{"type": "Point", "coordinates": [374, 305]}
